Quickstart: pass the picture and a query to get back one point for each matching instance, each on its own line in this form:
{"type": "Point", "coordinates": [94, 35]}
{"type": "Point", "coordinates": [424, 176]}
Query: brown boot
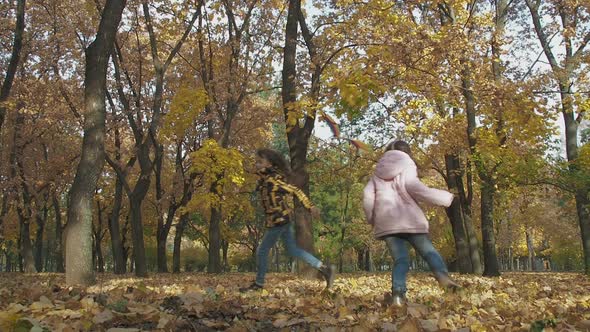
{"type": "Point", "coordinates": [328, 272]}
{"type": "Point", "coordinates": [446, 282]}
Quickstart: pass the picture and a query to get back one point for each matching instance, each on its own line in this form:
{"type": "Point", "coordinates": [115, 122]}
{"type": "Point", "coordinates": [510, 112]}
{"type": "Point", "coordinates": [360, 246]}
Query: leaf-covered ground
{"type": "Point", "coordinates": [358, 302]}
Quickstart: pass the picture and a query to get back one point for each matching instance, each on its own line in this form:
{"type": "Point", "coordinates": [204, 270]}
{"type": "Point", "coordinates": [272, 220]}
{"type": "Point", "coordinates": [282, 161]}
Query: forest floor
{"type": "Point", "coordinates": [357, 302]}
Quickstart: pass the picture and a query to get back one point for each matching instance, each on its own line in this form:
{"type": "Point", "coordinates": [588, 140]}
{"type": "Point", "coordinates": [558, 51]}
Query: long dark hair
{"type": "Point", "coordinates": [400, 146]}
{"type": "Point", "coordinates": [276, 159]}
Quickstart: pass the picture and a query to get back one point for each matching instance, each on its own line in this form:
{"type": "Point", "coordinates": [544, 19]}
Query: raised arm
{"type": "Point", "coordinates": [293, 190]}
{"type": "Point", "coordinates": [421, 192]}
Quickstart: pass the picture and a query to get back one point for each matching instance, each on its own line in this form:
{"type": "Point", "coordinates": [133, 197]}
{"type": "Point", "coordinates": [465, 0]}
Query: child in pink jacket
{"type": "Point", "coordinates": [389, 201]}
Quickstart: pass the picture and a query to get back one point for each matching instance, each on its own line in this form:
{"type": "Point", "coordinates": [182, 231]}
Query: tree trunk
{"type": "Point", "coordinates": [473, 244]}
{"type": "Point", "coordinates": [162, 227]}
{"type": "Point", "coordinates": [126, 249]}
{"type": "Point", "coordinates": [98, 236]}
{"type": "Point", "coordinates": [58, 253]}
{"type": "Point", "coordinates": [564, 71]}
{"type": "Point", "coordinates": [17, 44]}
{"type": "Point", "coordinates": [583, 207]}
{"type": "Point", "coordinates": [120, 266]}
{"type": "Point", "coordinates": [161, 253]}
{"type": "Point", "coordinates": [214, 265]}
{"type": "Point", "coordinates": [26, 248]}
{"type": "Point", "coordinates": [297, 136]}
{"type": "Point", "coordinates": [571, 144]}
{"type": "Point", "coordinates": [368, 264]}
{"type": "Point", "coordinates": [530, 248]}
{"type": "Point", "coordinates": [40, 219]}
{"type": "Point", "coordinates": [99, 256]}
{"type": "Point", "coordinates": [491, 267]}
{"type": "Point", "coordinates": [487, 186]}
{"type": "Point", "coordinates": [180, 227]}
{"type": "Point", "coordinates": [581, 194]}
{"type": "Point", "coordinates": [341, 253]}
{"type": "Point", "coordinates": [137, 235]}
{"type": "Point", "coordinates": [224, 250]}
{"type": "Point", "coordinates": [79, 229]}
{"type": "Point", "coordinates": [454, 212]}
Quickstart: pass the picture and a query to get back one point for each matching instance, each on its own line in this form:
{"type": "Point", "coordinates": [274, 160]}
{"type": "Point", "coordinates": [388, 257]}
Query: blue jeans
{"type": "Point", "coordinates": [268, 241]}
{"type": "Point", "coordinates": [401, 258]}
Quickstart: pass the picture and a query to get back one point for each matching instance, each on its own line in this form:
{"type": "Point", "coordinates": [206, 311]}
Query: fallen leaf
{"type": "Point", "coordinates": [429, 325]}
{"type": "Point", "coordinates": [164, 320]}
{"type": "Point", "coordinates": [410, 324]}
{"type": "Point", "coordinates": [417, 310]}
{"type": "Point", "coordinates": [388, 327]}
{"type": "Point", "coordinates": [102, 317]}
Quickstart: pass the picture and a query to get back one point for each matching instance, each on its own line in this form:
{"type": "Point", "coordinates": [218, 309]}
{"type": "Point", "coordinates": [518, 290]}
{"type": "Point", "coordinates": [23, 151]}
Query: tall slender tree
{"type": "Point", "coordinates": [78, 232]}
{"type": "Point", "coordinates": [564, 78]}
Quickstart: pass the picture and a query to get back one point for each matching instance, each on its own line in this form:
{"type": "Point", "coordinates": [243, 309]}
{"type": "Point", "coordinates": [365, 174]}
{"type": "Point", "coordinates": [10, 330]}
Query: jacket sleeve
{"type": "Point", "coordinates": [369, 200]}
{"type": "Point", "coordinates": [421, 192]}
{"type": "Point", "coordinates": [295, 191]}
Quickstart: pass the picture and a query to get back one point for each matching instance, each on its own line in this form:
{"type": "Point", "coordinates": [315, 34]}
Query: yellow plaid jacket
{"type": "Point", "coordinates": [276, 195]}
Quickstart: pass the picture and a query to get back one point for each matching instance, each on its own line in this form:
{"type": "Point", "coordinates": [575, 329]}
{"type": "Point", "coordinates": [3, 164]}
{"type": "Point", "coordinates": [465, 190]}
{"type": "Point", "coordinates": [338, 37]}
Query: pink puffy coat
{"type": "Point", "coordinates": [389, 199]}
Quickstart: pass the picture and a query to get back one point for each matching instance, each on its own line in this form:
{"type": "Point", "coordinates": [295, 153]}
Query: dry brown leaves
{"type": "Point", "coordinates": [358, 302]}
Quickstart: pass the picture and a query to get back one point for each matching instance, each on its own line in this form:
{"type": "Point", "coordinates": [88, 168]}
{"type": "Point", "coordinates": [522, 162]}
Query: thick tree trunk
{"type": "Point", "coordinates": [297, 136]}
{"type": "Point", "coordinates": [180, 227]}
{"type": "Point", "coordinates": [473, 244]}
{"type": "Point", "coordinates": [214, 265]}
{"type": "Point", "coordinates": [120, 266]}
{"type": "Point", "coordinates": [581, 194]}
{"type": "Point", "coordinates": [26, 249]}
{"type": "Point", "coordinates": [161, 251]}
{"type": "Point", "coordinates": [454, 212]}
{"type": "Point", "coordinates": [491, 267]}
{"type": "Point", "coordinates": [14, 59]}
{"type": "Point", "coordinates": [79, 229]}
{"type": "Point", "coordinates": [24, 215]}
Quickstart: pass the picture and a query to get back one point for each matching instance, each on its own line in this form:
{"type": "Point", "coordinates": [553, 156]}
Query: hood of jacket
{"type": "Point", "coordinates": [392, 164]}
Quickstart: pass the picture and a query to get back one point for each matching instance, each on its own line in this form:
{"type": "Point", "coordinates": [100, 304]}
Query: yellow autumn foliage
{"type": "Point", "coordinates": [222, 174]}
{"type": "Point", "coordinates": [188, 103]}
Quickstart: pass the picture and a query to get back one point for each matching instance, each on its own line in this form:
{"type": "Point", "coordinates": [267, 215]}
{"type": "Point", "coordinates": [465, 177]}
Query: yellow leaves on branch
{"type": "Point", "coordinates": [188, 103]}
{"type": "Point", "coordinates": [297, 110]}
{"type": "Point", "coordinates": [356, 89]}
{"type": "Point", "coordinates": [222, 173]}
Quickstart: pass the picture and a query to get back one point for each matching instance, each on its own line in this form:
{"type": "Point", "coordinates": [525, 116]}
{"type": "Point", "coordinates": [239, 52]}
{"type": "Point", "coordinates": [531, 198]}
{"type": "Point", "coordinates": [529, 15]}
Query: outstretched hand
{"type": "Point", "coordinates": [315, 212]}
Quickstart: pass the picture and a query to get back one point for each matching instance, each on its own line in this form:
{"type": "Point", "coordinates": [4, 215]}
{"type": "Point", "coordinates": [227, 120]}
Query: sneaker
{"type": "Point", "coordinates": [398, 300]}
{"type": "Point", "coordinates": [328, 272]}
{"type": "Point", "coordinates": [253, 287]}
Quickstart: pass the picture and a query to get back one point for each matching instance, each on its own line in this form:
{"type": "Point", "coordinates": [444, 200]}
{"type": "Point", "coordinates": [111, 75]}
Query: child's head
{"type": "Point", "coordinates": [400, 146]}
{"type": "Point", "coordinates": [267, 158]}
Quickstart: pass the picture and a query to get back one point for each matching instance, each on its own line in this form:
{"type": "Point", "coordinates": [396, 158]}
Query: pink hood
{"type": "Point", "coordinates": [389, 199]}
